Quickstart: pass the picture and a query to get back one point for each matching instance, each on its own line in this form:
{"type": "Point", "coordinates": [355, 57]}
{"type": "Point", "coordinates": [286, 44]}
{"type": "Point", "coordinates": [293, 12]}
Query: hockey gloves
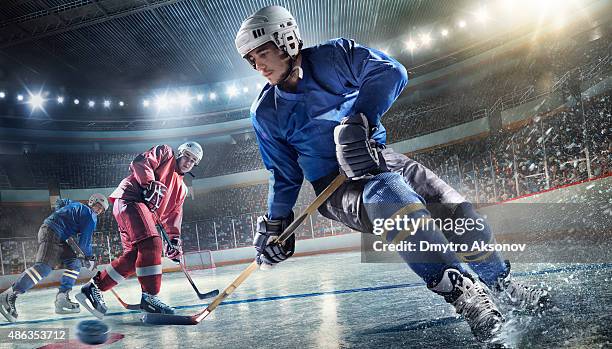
{"type": "Point", "coordinates": [154, 195]}
{"type": "Point", "coordinates": [89, 263]}
{"type": "Point", "coordinates": [268, 251]}
{"type": "Point", "coordinates": [174, 250]}
{"type": "Point", "coordinates": [356, 152]}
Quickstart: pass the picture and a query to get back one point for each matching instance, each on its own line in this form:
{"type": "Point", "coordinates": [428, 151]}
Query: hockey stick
{"type": "Point", "coordinates": [165, 319]}
{"type": "Point", "coordinates": [124, 304]}
{"type": "Point", "coordinates": [212, 293]}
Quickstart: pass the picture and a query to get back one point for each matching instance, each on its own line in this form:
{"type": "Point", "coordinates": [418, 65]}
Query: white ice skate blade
{"type": "Point", "coordinates": [7, 315]}
{"type": "Point", "coordinates": [67, 311]}
{"type": "Point", "coordinates": [83, 300]}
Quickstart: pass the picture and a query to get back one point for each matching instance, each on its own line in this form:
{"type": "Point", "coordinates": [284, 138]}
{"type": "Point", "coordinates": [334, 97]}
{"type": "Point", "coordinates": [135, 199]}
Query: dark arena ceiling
{"type": "Point", "coordinates": [139, 44]}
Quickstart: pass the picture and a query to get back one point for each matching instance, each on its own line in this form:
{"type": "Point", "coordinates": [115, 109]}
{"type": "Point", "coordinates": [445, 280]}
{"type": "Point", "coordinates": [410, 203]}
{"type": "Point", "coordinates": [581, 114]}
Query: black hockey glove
{"type": "Point", "coordinates": [357, 154]}
{"type": "Point", "coordinates": [174, 250]}
{"type": "Point", "coordinates": [89, 263]}
{"type": "Point", "coordinates": [154, 194]}
{"type": "Point", "coordinates": [269, 252]}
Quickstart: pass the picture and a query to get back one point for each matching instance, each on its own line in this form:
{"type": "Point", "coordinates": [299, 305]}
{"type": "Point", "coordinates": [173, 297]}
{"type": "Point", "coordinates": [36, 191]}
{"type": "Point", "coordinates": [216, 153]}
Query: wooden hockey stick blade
{"type": "Point", "coordinates": [201, 295]}
{"type": "Point", "coordinates": [124, 304]}
{"type": "Point", "coordinates": [164, 319]}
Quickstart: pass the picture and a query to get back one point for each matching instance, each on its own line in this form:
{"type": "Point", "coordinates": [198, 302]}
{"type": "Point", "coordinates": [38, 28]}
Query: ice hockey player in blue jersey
{"type": "Point", "coordinates": [57, 245]}
{"type": "Point", "coordinates": [320, 113]}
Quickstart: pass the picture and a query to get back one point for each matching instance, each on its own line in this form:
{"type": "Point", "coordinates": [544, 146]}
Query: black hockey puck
{"type": "Point", "coordinates": [92, 332]}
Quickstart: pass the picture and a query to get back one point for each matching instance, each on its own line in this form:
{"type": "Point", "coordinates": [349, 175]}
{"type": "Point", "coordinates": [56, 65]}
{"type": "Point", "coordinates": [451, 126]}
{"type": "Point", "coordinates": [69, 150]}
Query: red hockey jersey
{"type": "Point", "coordinates": [158, 163]}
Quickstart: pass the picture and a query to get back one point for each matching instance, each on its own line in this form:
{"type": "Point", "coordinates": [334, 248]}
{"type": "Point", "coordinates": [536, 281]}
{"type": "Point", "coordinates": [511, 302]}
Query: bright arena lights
{"type": "Point", "coordinates": [411, 45]}
{"type": "Point", "coordinates": [76, 101]}
{"type": "Point", "coordinates": [461, 24]}
{"type": "Point", "coordinates": [2, 94]}
{"type": "Point", "coordinates": [232, 91]}
{"type": "Point", "coordinates": [425, 39]}
{"type": "Point", "coordinates": [200, 97]}
{"type": "Point", "coordinates": [184, 100]}
{"type": "Point", "coordinates": [212, 96]}
{"type": "Point", "coordinates": [91, 104]}
{"type": "Point", "coordinates": [145, 103]}
{"type": "Point", "coordinates": [20, 98]}
{"type": "Point", "coordinates": [60, 100]}
{"type": "Point", "coordinates": [481, 15]}
{"type": "Point", "coordinates": [107, 104]}
{"type": "Point", "coordinates": [444, 32]}
{"type": "Point", "coordinates": [36, 101]}
{"type": "Point", "coordinates": [161, 102]}
{"type": "Point", "coordinates": [121, 104]}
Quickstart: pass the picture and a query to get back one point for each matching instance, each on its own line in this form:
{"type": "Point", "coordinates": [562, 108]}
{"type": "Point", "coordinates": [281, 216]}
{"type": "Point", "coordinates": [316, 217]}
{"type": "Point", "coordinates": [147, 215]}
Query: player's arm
{"type": "Point", "coordinates": [143, 168]}
{"type": "Point", "coordinates": [87, 230]}
{"type": "Point", "coordinates": [172, 225]}
{"type": "Point", "coordinates": [379, 78]}
{"type": "Point", "coordinates": [284, 186]}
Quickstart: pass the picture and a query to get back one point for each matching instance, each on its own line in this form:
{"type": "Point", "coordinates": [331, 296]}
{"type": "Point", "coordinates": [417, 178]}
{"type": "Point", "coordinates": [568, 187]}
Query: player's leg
{"type": "Point", "coordinates": [49, 251]}
{"type": "Point", "coordinates": [63, 303]}
{"type": "Point", "coordinates": [120, 268]}
{"type": "Point", "coordinates": [359, 203]}
{"type": "Point", "coordinates": [446, 202]}
{"type": "Point", "coordinates": [139, 235]}
{"type": "Point", "coordinates": [149, 272]}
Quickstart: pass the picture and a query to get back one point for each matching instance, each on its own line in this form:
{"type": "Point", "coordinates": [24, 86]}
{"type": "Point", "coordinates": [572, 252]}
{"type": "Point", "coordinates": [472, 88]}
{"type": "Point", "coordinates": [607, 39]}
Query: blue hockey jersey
{"type": "Point", "coordinates": [72, 218]}
{"type": "Point", "coordinates": [295, 130]}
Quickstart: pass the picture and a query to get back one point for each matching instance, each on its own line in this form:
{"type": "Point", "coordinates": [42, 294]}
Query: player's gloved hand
{"type": "Point", "coordinates": [356, 152]}
{"type": "Point", "coordinates": [174, 250]}
{"type": "Point", "coordinates": [154, 194]}
{"type": "Point", "coordinates": [89, 263]}
{"type": "Point", "coordinates": [268, 251]}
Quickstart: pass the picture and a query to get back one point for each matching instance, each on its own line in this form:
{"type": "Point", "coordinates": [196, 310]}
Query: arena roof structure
{"type": "Point", "coordinates": [132, 44]}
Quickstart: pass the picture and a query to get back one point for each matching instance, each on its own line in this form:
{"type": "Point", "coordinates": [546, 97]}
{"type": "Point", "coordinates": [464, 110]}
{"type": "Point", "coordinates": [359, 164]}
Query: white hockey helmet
{"type": "Point", "coordinates": [193, 148]}
{"type": "Point", "coordinates": [98, 198]}
{"type": "Point", "coordinates": [272, 23]}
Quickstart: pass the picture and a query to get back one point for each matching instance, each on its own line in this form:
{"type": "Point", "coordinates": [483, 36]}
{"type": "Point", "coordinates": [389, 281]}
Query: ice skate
{"type": "Point", "coordinates": [472, 301]}
{"type": "Point", "coordinates": [152, 304]}
{"type": "Point", "coordinates": [521, 297]}
{"type": "Point", "coordinates": [7, 304]}
{"type": "Point", "coordinates": [90, 292]}
{"type": "Point", "coordinates": [64, 305]}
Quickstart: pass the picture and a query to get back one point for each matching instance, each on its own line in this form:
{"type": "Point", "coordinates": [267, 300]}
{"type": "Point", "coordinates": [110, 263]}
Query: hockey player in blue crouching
{"type": "Point", "coordinates": [320, 113]}
{"type": "Point", "coordinates": [57, 245]}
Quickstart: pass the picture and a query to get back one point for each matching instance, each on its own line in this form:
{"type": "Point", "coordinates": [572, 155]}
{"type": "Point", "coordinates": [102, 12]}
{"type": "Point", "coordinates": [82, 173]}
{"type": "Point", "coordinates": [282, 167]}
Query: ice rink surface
{"type": "Point", "coordinates": [334, 301]}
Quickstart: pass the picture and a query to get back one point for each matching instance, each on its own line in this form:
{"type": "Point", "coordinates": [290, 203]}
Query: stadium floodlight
{"type": "Point", "coordinates": [212, 96]}
{"type": "Point", "coordinates": [200, 97]}
{"type": "Point", "coordinates": [481, 15]}
{"type": "Point", "coordinates": [184, 100]}
{"type": "Point", "coordinates": [232, 91]}
{"type": "Point", "coordinates": [121, 104]}
{"type": "Point", "coordinates": [107, 103]}
{"type": "Point", "coordinates": [411, 45]}
{"type": "Point", "coordinates": [2, 94]}
{"type": "Point", "coordinates": [60, 100]}
{"type": "Point", "coordinates": [444, 32]}
{"type": "Point", "coordinates": [36, 101]}
{"type": "Point", "coordinates": [76, 101]}
{"type": "Point", "coordinates": [20, 97]}
{"type": "Point", "coordinates": [91, 104]}
{"type": "Point", "coordinates": [425, 39]}
{"type": "Point", "coordinates": [461, 24]}
{"type": "Point", "coordinates": [259, 86]}
{"type": "Point", "coordinates": [145, 103]}
{"type": "Point", "coordinates": [245, 89]}
{"type": "Point", "coordinates": [161, 102]}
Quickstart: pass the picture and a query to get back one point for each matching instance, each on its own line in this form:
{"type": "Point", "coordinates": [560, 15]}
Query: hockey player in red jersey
{"type": "Point", "coordinates": [153, 193]}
